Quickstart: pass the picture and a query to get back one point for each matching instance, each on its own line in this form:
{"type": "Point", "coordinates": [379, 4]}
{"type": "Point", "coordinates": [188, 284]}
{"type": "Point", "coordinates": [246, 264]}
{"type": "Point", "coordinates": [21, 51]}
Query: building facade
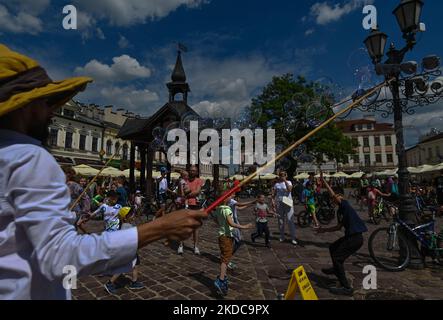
{"type": "Point", "coordinates": [429, 150]}
{"type": "Point", "coordinates": [87, 134]}
{"type": "Point", "coordinates": [376, 149]}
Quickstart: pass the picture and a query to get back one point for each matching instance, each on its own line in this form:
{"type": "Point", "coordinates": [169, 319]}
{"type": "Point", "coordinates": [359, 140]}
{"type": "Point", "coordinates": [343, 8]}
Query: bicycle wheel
{"type": "Point", "coordinates": [389, 253]}
{"type": "Point", "coordinates": [376, 217]}
{"type": "Point", "coordinates": [304, 219]}
{"type": "Point", "coordinates": [324, 216]}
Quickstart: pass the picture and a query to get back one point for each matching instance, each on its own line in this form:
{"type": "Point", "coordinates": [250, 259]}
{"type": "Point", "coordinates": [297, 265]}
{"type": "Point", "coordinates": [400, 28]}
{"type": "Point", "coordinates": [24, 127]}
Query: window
{"type": "Point", "coordinates": [117, 147]}
{"type": "Point", "coordinates": [94, 144]}
{"type": "Point", "coordinates": [125, 152]}
{"type": "Point", "coordinates": [437, 151]}
{"type": "Point", "coordinates": [390, 158]}
{"type": "Point", "coordinates": [68, 113]}
{"type": "Point", "coordinates": [429, 153]}
{"type": "Point", "coordinates": [359, 127]}
{"type": "Point", "coordinates": [355, 142]}
{"type": "Point", "coordinates": [68, 140]}
{"type": "Point", "coordinates": [53, 135]}
{"type": "Point", "coordinates": [378, 158]}
{"type": "Point", "coordinates": [82, 145]}
{"type": "Point", "coordinates": [356, 159]}
{"type": "Point", "coordinates": [370, 126]}
{"type": "Point", "coordinates": [367, 159]}
{"type": "Point", "coordinates": [109, 148]}
{"type": "Point", "coordinates": [377, 141]}
{"type": "Point", "coordinates": [388, 140]}
{"type": "Point", "coordinates": [366, 142]}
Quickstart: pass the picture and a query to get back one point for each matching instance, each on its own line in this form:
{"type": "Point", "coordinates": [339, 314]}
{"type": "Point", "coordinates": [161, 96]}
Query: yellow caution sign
{"type": "Point", "coordinates": [300, 281]}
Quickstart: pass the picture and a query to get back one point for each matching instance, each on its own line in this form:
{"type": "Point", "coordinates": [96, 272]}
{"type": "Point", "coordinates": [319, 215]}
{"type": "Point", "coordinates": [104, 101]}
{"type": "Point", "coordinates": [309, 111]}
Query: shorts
{"type": "Point", "coordinates": [162, 197]}
{"type": "Point", "coordinates": [226, 245]}
{"type": "Point", "coordinates": [311, 208]}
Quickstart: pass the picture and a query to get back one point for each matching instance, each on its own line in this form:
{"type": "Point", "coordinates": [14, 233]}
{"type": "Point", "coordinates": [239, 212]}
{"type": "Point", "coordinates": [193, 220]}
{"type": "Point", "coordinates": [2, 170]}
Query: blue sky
{"type": "Point", "coordinates": [235, 47]}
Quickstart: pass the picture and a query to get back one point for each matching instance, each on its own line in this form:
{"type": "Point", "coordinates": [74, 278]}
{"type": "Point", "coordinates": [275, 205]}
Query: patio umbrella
{"type": "Point", "coordinates": [207, 178]}
{"type": "Point", "coordinates": [303, 175]}
{"type": "Point", "coordinates": [356, 175]}
{"type": "Point", "coordinates": [239, 177]}
{"type": "Point", "coordinates": [156, 174]}
{"type": "Point", "coordinates": [175, 175]}
{"type": "Point", "coordinates": [269, 176]}
{"type": "Point", "coordinates": [113, 172]}
{"type": "Point", "coordinates": [127, 173]}
{"type": "Point", "coordinates": [85, 170]}
{"type": "Point", "coordinates": [340, 175]}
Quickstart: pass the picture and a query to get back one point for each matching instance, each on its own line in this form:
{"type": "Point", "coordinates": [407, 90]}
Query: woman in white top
{"type": "Point", "coordinates": [281, 193]}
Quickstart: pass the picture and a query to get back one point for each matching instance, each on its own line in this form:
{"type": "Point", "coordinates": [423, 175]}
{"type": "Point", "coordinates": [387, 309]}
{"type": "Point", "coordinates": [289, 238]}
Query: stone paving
{"type": "Point", "coordinates": [261, 273]}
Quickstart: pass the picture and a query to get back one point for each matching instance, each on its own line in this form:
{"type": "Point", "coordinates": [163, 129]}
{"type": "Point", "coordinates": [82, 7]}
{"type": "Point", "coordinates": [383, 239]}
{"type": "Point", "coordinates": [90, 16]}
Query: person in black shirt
{"type": "Point", "coordinates": [346, 246]}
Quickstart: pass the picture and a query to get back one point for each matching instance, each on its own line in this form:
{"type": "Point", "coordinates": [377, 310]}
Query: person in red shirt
{"type": "Point", "coordinates": [194, 184]}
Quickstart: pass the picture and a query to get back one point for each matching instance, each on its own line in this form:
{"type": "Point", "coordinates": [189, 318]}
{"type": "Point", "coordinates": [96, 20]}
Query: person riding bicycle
{"type": "Point", "coordinates": [373, 193]}
{"type": "Point", "coordinates": [309, 196]}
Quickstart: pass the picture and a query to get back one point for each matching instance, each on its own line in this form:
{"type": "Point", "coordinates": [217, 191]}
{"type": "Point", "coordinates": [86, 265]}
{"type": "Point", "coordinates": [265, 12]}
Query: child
{"type": "Point", "coordinates": [110, 211]}
{"type": "Point", "coordinates": [138, 200]}
{"type": "Point", "coordinates": [235, 205]}
{"type": "Point", "coordinates": [309, 197]}
{"type": "Point", "coordinates": [126, 216]}
{"type": "Point", "coordinates": [226, 224]}
{"type": "Point", "coordinates": [262, 211]}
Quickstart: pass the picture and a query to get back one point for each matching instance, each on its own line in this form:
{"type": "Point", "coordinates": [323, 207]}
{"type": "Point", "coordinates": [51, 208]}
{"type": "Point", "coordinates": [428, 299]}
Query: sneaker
{"type": "Point", "coordinates": [110, 288]}
{"type": "Point", "coordinates": [281, 240]}
{"type": "Point", "coordinates": [328, 271]}
{"type": "Point", "coordinates": [294, 242]}
{"type": "Point", "coordinates": [221, 286]}
{"type": "Point", "coordinates": [232, 265]}
{"type": "Point", "coordinates": [196, 251]}
{"type": "Point", "coordinates": [341, 291]}
{"type": "Point", "coordinates": [180, 249]}
{"type": "Point", "coordinates": [135, 285]}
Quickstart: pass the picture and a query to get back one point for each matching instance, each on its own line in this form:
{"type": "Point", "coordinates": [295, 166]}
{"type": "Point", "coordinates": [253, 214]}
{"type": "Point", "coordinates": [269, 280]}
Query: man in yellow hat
{"type": "Point", "coordinates": [38, 240]}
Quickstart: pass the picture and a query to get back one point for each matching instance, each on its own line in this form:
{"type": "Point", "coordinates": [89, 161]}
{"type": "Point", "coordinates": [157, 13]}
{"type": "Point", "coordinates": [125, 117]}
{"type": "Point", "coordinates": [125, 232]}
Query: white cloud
{"type": "Point", "coordinates": [22, 18]}
{"type": "Point", "coordinates": [124, 68]}
{"type": "Point", "coordinates": [129, 97]}
{"type": "Point", "coordinates": [130, 12]}
{"type": "Point", "coordinates": [325, 13]}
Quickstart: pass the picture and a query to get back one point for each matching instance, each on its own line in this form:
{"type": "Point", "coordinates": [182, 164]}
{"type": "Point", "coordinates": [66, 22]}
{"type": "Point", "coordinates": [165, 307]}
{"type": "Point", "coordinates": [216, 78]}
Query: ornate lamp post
{"type": "Point", "coordinates": [407, 91]}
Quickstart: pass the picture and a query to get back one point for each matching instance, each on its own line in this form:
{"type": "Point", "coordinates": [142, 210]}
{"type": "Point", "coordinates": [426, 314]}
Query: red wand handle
{"type": "Point", "coordinates": [222, 198]}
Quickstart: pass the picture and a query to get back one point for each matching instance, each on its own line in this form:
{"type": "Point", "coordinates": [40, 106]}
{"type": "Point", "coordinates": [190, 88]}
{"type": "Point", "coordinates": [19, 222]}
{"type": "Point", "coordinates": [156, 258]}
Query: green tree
{"type": "Point", "coordinates": [293, 107]}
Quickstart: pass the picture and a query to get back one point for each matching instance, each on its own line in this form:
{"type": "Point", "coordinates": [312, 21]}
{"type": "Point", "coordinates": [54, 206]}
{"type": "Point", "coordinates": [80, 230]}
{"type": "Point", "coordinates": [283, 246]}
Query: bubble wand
{"type": "Point", "coordinates": [222, 198]}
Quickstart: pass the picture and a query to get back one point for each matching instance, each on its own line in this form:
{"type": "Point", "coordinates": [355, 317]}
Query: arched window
{"type": "Point", "coordinates": [109, 148]}
{"type": "Point", "coordinates": [117, 147]}
{"type": "Point", "coordinates": [125, 152]}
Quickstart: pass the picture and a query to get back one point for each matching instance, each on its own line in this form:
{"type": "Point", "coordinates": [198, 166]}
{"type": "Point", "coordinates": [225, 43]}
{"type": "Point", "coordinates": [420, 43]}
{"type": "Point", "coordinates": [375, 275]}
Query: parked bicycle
{"type": "Point", "coordinates": [389, 248]}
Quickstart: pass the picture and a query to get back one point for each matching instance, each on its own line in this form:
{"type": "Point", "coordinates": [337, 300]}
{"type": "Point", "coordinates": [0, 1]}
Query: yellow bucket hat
{"type": "Point", "coordinates": [22, 81]}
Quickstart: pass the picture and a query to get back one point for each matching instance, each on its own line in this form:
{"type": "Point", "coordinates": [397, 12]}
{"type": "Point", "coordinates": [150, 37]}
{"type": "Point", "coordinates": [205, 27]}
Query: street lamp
{"type": "Point", "coordinates": [407, 90]}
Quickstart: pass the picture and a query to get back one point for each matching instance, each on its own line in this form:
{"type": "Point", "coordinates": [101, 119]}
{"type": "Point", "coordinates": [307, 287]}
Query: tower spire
{"type": "Point", "coordinates": [178, 83]}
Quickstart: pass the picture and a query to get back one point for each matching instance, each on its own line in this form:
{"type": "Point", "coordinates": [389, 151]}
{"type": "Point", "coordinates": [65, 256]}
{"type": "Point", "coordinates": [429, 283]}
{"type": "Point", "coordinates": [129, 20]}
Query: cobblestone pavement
{"type": "Point", "coordinates": [261, 273]}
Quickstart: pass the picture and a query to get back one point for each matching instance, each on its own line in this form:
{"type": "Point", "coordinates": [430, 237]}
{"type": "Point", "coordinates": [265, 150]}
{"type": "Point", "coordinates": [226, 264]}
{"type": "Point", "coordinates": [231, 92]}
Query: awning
{"type": "Point", "coordinates": [302, 176]}
{"type": "Point", "coordinates": [113, 172]}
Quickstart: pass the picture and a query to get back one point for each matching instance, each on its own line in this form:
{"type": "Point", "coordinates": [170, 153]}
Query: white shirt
{"type": "Point", "coordinates": [37, 234]}
{"type": "Point", "coordinates": [281, 190]}
{"type": "Point", "coordinates": [163, 186]}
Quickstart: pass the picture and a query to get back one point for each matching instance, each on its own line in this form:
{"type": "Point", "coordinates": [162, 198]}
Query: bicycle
{"type": "Point", "coordinates": [324, 212]}
{"type": "Point", "coordinates": [389, 248]}
{"type": "Point", "coordinates": [380, 211]}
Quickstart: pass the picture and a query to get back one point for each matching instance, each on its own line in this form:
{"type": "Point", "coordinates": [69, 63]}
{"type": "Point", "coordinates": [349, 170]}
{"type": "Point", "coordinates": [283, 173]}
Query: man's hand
{"type": "Point", "coordinates": [178, 225]}
{"type": "Point", "coordinates": [248, 226]}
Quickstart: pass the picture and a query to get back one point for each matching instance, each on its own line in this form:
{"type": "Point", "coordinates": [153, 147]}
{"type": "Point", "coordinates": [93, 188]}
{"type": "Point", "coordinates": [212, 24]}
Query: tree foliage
{"type": "Point", "coordinates": [293, 107]}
